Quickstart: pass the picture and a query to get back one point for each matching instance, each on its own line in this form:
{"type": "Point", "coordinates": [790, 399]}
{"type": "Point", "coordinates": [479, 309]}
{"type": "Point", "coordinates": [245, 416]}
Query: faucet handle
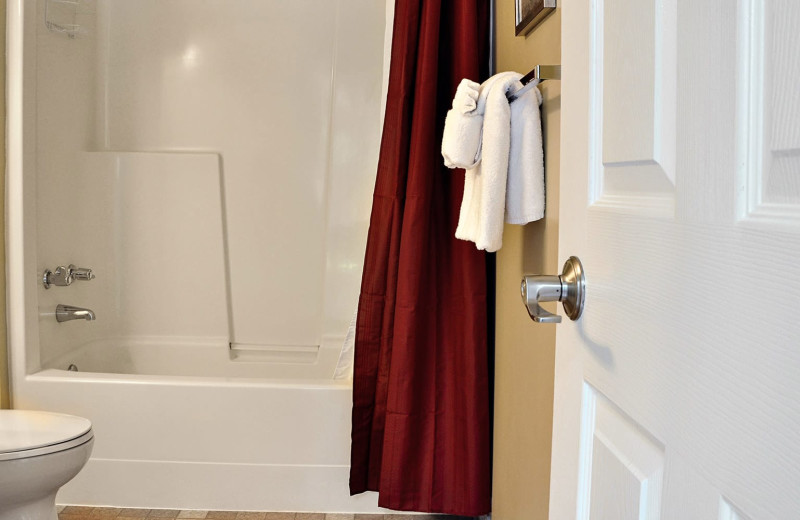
{"type": "Point", "coordinates": [64, 276]}
{"type": "Point", "coordinates": [81, 273]}
{"type": "Point", "coordinates": [60, 276]}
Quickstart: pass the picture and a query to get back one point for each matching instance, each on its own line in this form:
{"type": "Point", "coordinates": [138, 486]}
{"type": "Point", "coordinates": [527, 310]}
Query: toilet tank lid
{"type": "Point", "coordinates": [26, 430]}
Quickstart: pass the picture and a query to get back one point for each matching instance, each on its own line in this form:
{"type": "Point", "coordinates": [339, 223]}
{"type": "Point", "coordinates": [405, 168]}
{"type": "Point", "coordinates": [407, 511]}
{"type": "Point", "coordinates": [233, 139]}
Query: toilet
{"type": "Point", "coordinates": [39, 453]}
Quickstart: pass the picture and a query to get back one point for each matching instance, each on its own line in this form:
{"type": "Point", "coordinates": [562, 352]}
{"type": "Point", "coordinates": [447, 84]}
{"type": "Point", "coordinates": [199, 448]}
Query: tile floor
{"type": "Point", "coordinates": [97, 513]}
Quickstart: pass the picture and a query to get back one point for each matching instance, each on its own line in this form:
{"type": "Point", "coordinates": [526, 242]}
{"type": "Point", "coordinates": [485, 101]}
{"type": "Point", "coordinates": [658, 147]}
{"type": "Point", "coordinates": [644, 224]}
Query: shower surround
{"type": "Point", "coordinates": [213, 163]}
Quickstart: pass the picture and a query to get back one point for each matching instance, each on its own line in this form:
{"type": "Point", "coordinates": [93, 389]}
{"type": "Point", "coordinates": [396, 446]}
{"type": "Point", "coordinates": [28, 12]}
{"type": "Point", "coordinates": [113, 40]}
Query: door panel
{"type": "Point", "coordinates": [621, 468]}
{"type": "Point", "coordinates": [676, 394]}
{"type": "Point", "coordinates": [769, 133]}
{"type": "Point", "coordinates": [632, 53]}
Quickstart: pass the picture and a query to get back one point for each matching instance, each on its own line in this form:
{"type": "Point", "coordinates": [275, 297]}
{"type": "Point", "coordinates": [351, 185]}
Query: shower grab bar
{"type": "Point", "coordinates": [538, 74]}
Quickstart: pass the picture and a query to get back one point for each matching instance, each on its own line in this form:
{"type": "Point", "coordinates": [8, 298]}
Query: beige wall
{"type": "Point", "coordinates": [526, 350]}
{"type": "Point", "coordinates": [3, 351]}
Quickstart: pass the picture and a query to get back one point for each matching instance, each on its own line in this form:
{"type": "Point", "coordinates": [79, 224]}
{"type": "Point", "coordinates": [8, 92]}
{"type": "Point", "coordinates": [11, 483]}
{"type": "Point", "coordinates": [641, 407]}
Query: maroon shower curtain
{"type": "Point", "coordinates": [421, 407]}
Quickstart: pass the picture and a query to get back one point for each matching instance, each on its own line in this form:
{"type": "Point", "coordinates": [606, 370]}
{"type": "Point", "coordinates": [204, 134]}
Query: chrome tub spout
{"type": "Point", "coordinates": [69, 313]}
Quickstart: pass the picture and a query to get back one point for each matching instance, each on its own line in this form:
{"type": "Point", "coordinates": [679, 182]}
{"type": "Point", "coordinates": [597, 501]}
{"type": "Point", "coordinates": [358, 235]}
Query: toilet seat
{"type": "Point", "coordinates": [25, 433]}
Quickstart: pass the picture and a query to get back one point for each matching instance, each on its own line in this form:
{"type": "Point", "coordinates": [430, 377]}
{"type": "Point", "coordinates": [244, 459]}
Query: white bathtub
{"type": "Point", "coordinates": [227, 247]}
{"type": "Point", "coordinates": [240, 437]}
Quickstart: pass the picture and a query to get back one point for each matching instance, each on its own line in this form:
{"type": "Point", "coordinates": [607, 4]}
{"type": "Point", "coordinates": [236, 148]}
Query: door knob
{"type": "Point", "coordinates": [569, 288]}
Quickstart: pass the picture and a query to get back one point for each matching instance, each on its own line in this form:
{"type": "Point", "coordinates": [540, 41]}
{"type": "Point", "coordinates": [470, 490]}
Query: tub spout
{"type": "Point", "coordinates": [69, 313]}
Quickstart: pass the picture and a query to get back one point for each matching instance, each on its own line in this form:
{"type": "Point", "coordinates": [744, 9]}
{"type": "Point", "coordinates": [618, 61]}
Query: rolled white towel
{"type": "Point", "coordinates": [461, 142]}
{"type": "Point", "coordinates": [466, 98]}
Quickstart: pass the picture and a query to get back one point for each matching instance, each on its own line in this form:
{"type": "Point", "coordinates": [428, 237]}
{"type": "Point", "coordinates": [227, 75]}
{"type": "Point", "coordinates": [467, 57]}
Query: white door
{"type": "Point", "coordinates": [678, 391]}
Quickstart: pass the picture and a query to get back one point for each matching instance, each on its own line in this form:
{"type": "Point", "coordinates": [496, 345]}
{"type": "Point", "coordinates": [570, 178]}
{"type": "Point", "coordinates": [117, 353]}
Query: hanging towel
{"type": "Point", "coordinates": [525, 185]}
{"type": "Point", "coordinates": [483, 206]}
{"type": "Point", "coordinates": [506, 181]}
{"type": "Point", "coordinates": [461, 143]}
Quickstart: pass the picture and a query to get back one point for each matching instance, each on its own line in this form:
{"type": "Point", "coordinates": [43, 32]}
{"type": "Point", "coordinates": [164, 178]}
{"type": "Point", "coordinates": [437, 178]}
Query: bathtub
{"type": "Point", "coordinates": [203, 442]}
{"type": "Point", "coordinates": [208, 373]}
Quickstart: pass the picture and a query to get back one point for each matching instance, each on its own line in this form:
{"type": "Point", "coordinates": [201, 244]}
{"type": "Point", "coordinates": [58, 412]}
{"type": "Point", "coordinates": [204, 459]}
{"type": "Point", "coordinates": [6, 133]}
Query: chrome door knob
{"type": "Point", "coordinates": [569, 288]}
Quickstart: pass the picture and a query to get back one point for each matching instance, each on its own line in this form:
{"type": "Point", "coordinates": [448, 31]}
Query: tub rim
{"type": "Point", "coordinates": [56, 375]}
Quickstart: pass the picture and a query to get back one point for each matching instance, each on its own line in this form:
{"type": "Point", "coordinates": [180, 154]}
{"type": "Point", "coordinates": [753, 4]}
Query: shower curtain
{"type": "Point", "coordinates": [421, 388]}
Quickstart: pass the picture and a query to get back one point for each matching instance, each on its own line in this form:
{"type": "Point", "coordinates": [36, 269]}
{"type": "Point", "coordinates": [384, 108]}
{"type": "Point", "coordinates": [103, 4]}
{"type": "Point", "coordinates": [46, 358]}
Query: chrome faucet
{"type": "Point", "coordinates": [64, 276]}
{"type": "Point", "coordinates": [69, 313]}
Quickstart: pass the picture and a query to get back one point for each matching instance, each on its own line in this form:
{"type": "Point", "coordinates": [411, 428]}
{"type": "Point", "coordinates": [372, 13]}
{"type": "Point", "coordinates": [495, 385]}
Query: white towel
{"type": "Point", "coordinates": [525, 185]}
{"type": "Point", "coordinates": [483, 206]}
{"type": "Point", "coordinates": [507, 180]}
{"type": "Point", "coordinates": [461, 142]}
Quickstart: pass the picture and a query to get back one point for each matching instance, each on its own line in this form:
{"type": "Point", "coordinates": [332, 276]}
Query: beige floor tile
{"type": "Point", "coordinates": [77, 510]}
{"type": "Point", "coordinates": [130, 512]}
{"type": "Point", "coordinates": [362, 516]}
{"type": "Point", "coordinates": [163, 513]}
{"type": "Point", "coordinates": [105, 512]}
{"type": "Point", "coordinates": [309, 516]}
{"type": "Point", "coordinates": [251, 516]}
{"type": "Point", "coordinates": [279, 516]}
{"type": "Point", "coordinates": [62, 516]}
{"type": "Point", "coordinates": [221, 515]}
{"type": "Point", "coordinates": [193, 513]}
{"type": "Point", "coordinates": [339, 516]}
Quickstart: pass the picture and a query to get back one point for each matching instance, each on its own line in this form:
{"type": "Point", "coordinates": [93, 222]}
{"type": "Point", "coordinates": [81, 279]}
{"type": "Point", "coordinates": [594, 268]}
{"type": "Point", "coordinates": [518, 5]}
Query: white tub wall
{"type": "Point", "coordinates": [68, 231]}
{"type": "Point", "coordinates": [166, 246]}
{"type": "Point", "coordinates": [288, 93]}
{"type": "Point", "coordinates": [157, 253]}
{"type": "Point", "coordinates": [295, 119]}
{"type": "Point", "coordinates": [356, 118]}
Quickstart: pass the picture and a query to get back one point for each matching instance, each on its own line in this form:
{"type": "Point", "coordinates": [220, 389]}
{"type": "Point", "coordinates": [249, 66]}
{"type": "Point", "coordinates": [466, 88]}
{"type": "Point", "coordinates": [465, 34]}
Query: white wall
{"type": "Point", "coordinates": [287, 94]}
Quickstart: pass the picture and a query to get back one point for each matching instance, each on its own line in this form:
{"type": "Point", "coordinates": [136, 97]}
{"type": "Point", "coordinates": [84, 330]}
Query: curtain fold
{"type": "Point", "coordinates": [421, 386]}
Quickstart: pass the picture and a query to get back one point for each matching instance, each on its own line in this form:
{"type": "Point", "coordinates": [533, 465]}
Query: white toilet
{"type": "Point", "coordinates": [39, 453]}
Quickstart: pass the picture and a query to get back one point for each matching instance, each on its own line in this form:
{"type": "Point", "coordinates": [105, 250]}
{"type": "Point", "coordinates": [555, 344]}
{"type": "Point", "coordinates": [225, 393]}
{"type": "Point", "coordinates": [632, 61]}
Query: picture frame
{"type": "Point", "coordinates": [530, 12]}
